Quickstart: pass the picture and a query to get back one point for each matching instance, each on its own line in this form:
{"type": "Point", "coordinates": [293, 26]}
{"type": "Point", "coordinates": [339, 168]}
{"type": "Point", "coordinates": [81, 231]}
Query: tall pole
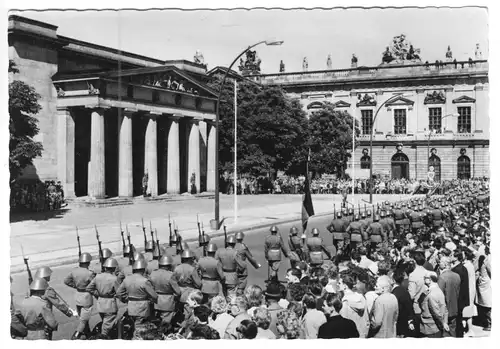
{"type": "Point", "coordinates": [353, 161]}
{"type": "Point", "coordinates": [235, 152]}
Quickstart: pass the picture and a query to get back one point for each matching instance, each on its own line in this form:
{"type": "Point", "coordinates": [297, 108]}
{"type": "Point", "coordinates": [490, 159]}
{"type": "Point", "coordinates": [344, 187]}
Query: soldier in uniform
{"type": "Point", "coordinates": [153, 265]}
{"type": "Point", "coordinates": [37, 313]}
{"type": "Point", "coordinates": [138, 292]}
{"type": "Point", "coordinates": [356, 233]}
{"type": "Point", "coordinates": [296, 246]}
{"type": "Point", "coordinates": [97, 267]}
{"type": "Point", "coordinates": [201, 250]}
{"type": "Point", "coordinates": [79, 279]}
{"type": "Point", "coordinates": [369, 218]}
{"type": "Point", "coordinates": [212, 274]}
{"type": "Point", "coordinates": [338, 227]}
{"type": "Point", "coordinates": [376, 233]}
{"type": "Point", "coordinates": [363, 220]}
{"type": "Point", "coordinates": [104, 287]}
{"type": "Point", "coordinates": [167, 291]}
{"type": "Point", "coordinates": [232, 265]}
{"type": "Point", "coordinates": [148, 251]}
{"type": "Point", "coordinates": [437, 216]}
{"type": "Point", "coordinates": [124, 261]}
{"type": "Point", "coordinates": [171, 249]}
{"type": "Point", "coordinates": [416, 219]}
{"type": "Point", "coordinates": [316, 250]}
{"type": "Point", "coordinates": [387, 224]}
{"type": "Point", "coordinates": [128, 270]}
{"type": "Point", "coordinates": [245, 254]}
{"type": "Point", "coordinates": [399, 217]}
{"type": "Point", "coordinates": [273, 245]}
{"type": "Point", "coordinates": [185, 276]}
{"type": "Point", "coordinates": [406, 220]}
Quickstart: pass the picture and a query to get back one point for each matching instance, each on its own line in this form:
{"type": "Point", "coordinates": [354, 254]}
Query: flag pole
{"type": "Point", "coordinates": [235, 153]}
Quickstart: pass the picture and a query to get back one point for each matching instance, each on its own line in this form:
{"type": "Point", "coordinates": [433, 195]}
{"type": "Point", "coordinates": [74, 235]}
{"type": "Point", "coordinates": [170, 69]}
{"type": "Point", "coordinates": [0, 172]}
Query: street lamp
{"type": "Point", "coordinates": [217, 198]}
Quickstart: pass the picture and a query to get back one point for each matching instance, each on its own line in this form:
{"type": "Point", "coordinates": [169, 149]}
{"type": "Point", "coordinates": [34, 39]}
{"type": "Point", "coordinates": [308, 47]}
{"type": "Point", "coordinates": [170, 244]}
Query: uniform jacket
{"type": "Point", "coordinates": [245, 254]}
{"type": "Point", "coordinates": [54, 300]}
{"type": "Point", "coordinates": [138, 291]}
{"type": "Point", "coordinates": [384, 316]}
{"type": "Point", "coordinates": [152, 266]}
{"type": "Point", "coordinates": [377, 229]}
{"type": "Point", "coordinates": [186, 278]}
{"type": "Point", "coordinates": [274, 242]}
{"type": "Point", "coordinates": [315, 244]}
{"type": "Point", "coordinates": [231, 263]}
{"type": "Point", "coordinates": [357, 228]}
{"type": "Point", "coordinates": [104, 287]}
{"type": "Point", "coordinates": [166, 290]}
{"type": "Point", "coordinates": [79, 278]}
{"type": "Point", "coordinates": [212, 275]}
{"type": "Point", "coordinates": [449, 283]}
{"type": "Point", "coordinates": [37, 314]}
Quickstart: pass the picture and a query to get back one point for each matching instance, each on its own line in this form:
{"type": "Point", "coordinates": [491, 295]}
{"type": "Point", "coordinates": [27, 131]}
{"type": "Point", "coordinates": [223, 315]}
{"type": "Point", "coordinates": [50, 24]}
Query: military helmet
{"type": "Point", "coordinates": [138, 256]}
{"type": "Point", "coordinates": [166, 260]}
{"type": "Point", "coordinates": [85, 258]}
{"type": "Point", "coordinates": [376, 218]}
{"type": "Point", "coordinates": [274, 229]}
{"type": "Point", "coordinates": [39, 284]}
{"type": "Point", "coordinates": [150, 245]}
{"type": "Point", "coordinates": [187, 254]}
{"type": "Point", "coordinates": [211, 247]}
{"type": "Point", "coordinates": [339, 214]}
{"type": "Point", "coordinates": [110, 263]}
{"type": "Point", "coordinates": [157, 252]}
{"type": "Point", "coordinates": [205, 239]}
{"type": "Point", "coordinates": [315, 231]}
{"type": "Point", "coordinates": [386, 202]}
{"type": "Point", "coordinates": [363, 215]}
{"type": "Point", "coordinates": [43, 272]}
{"type": "Point", "coordinates": [344, 211]}
{"type": "Point", "coordinates": [294, 230]}
{"type": "Point", "coordinates": [231, 239]}
{"type": "Point", "coordinates": [126, 250]}
{"type": "Point", "coordinates": [106, 253]}
{"type": "Point", "coordinates": [369, 213]}
{"type": "Point", "coordinates": [240, 235]}
{"type": "Point", "coordinates": [139, 264]}
{"type": "Point", "coordinates": [184, 246]}
{"type": "Point", "coordinates": [382, 214]}
{"type": "Point", "coordinates": [351, 212]}
{"type": "Point", "coordinates": [356, 217]}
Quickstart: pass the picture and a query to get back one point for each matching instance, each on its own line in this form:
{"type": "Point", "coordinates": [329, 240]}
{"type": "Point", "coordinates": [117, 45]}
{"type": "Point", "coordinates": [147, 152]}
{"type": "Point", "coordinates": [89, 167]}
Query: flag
{"type": "Point", "coordinates": [307, 205]}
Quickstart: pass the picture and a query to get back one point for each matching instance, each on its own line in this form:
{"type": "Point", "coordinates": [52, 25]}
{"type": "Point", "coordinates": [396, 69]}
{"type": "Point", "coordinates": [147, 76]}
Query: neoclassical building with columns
{"type": "Point", "coordinates": [113, 121]}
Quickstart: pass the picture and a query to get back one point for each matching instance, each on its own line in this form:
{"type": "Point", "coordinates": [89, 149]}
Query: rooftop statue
{"type": "Point", "coordinates": [449, 54]}
{"type": "Point", "coordinates": [329, 62]}
{"type": "Point", "coordinates": [477, 53]}
{"type": "Point", "coordinates": [282, 67]}
{"type": "Point", "coordinates": [305, 64]}
{"type": "Point", "coordinates": [198, 57]}
{"type": "Point", "coordinates": [400, 51]}
{"type": "Point", "coordinates": [354, 61]}
{"type": "Point", "coordinates": [251, 65]}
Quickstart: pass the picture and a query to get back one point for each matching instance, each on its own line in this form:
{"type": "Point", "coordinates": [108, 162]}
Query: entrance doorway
{"type": "Point", "coordinates": [400, 166]}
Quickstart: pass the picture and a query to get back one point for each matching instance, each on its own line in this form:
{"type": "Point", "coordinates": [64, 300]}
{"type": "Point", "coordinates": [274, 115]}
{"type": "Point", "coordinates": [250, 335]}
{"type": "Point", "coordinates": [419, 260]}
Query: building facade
{"type": "Point", "coordinates": [425, 115]}
{"type": "Point", "coordinates": [112, 122]}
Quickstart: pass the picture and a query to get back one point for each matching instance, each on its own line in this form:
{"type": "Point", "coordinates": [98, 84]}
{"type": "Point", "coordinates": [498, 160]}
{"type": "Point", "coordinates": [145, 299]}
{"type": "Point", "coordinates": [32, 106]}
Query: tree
{"type": "Point", "coordinates": [330, 140]}
{"type": "Point", "coordinates": [23, 126]}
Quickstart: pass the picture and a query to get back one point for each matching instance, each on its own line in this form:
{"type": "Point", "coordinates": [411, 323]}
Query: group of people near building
{"type": "Point", "coordinates": [36, 197]}
{"type": "Point", "coordinates": [413, 268]}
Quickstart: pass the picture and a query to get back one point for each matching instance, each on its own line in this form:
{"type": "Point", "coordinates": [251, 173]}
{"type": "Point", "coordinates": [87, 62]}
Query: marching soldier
{"type": "Point", "coordinates": [124, 261]}
{"type": "Point", "coordinates": [356, 233]}
{"type": "Point", "coordinates": [167, 291]}
{"type": "Point", "coordinates": [376, 233]}
{"type": "Point", "coordinates": [212, 274]}
{"type": "Point", "coordinates": [437, 217]}
{"type": "Point", "coordinates": [245, 254]}
{"type": "Point", "coordinates": [171, 249]}
{"type": "Point", "coordinates": [338, 227]}
{"type": "Point", "coordinates": [399, 217]}
{"type": "Point", "coordinates": [37, 313]}
{"type": "Point", "coordinates": [129, 270]}
{"type": "Point", "coordinates": [104, 287]}
{"type": "Point", "coordinates": [148, 251]}
{"type": "Point", "coordinates": [181, 247]}
{"type": "Point", "coordinates": [316, 250]}
{"type": "Point", "coordinates": [79, 279]}
{"type": "Point", "coordinates": [363, 220]}
{"type": "Point", "coordinates": [153, 265]}
{"type": "Point", "coordinates": [369, 218]}
{"type": "Point", "coordinates": [137, 291]}
{"type": "Point", "coordinates": [185, 276]}
{"type": "Point", "coordinates": [296, 246]}
{"type": "Point", "coordinates": [232, 264]}
{"type": "Point", "coordinates": [201, 251]}
{"type": "Point", "coordinates": [387, 224]}
{"type": "Point", "coordinates": [273, 246]}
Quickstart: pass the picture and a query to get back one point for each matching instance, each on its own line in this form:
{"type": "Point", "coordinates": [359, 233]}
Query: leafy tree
{"type": "Point", "coordinates": [330, 140]}
{"type": "Point", "coordinates": [23, 126]}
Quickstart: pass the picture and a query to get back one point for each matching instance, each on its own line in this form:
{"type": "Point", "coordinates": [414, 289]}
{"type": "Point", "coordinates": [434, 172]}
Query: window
{"type": "Point", "coordinates": [400, 121]}
{"type": "Point", "coordinates": [463, 171]}
{"type": "Point", "coordinates": [366, 121]}
{"type": "Point", "coordinates": [365, 162]}
{"type": "Point", "coordinates": [435, 162]}
{"type": "Point", "coordinates": [435, 119]}
{"type": "Point", "coordinates": [464, 120]}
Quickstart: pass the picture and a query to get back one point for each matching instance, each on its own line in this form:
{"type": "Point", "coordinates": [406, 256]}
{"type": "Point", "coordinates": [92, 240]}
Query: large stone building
{"type": "Point", "coordinates": [109, 117]}
{"type": "Point", "coordinates": [428, 114]}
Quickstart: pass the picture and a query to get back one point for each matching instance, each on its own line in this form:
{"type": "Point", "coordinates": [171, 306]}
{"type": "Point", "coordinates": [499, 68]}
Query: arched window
{"type": "Point", "coordinates": [435, 162]}
{"type": "Point", "coordinates": [400, 166]}
{"type": "Point", "coordinates": [463, 170]}
{"type": "Point", "coordinates": [365, 162]}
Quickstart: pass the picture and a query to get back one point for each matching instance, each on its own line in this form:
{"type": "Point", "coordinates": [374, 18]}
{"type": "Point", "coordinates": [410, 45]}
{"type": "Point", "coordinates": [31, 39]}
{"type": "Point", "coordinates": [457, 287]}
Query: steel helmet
{"type": "Point", "coordinates": [344, 211]}
{"type": "Point", "coordinates": [231, 239]}
{"type": "Point", "coordinates": [382, 214]}
{"type": "Point", "coordinates": [165, 261]}
{"type": "Point", "coordinates": [351, 211]}
{"type": "Point", "coordinates": [149, 246]}
{"type": "Point", "coordinates": [85, 258]}
{"type": "Point", "coordinates": [110, 263]}
{"type": "Point", "coordinates": [156, 252]}
{"type": "Point", "coordinates": [43, 272]}
{"type": "Point", "coordinates": [39, 284]}
{"type": "Point", "coordinates": [212, 247]}
{"type": "Point", "coordinates": [339, 214]}
{"type": "Point", "coordinates": [274, 229]}
{"type": "Point", "coordinates": [376, 218]}
{"type": "Point", "coordinates": [184, 246]}
{"type": "Point", "coordinates": [240, 236]}
{"type": "Point", "coordinates": [294, 230]}
{"type": "Point", "coordinates": [139, 264]}
{"type": "Point", "coordinates": [315, 231]}
{"type": "Point", "coordinates": [138, 256]}
{"type": "Point", "coordinates": [387, 202]}
{"type": "Point", "coordinates": [126, 250]}
{"type": "Point", "coordinates": [369, 213]}
{"type": "Point", "coordinates": [356, 217]}
{"type": "Point", "coordinates": [363, 215]}
{"type": "Point", "coordinates": [106, 253]}
{"type": "Point", "coordinates": [187, 254]}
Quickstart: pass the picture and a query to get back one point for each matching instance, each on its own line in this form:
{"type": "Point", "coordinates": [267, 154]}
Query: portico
{"type": "Point", "coordinates": [120, 132]}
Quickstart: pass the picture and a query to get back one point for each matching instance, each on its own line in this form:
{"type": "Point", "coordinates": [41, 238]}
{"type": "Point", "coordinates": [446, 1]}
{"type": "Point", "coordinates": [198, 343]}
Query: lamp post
{"type": "Point", "coordinates": [217, 197]}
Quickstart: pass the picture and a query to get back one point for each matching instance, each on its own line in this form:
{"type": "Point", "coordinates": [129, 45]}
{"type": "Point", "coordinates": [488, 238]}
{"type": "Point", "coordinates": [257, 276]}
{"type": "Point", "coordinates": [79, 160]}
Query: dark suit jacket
{"type": "Point", "coordinates": [463, 295]}
{"type": "Point", "coordinates": [338, 327]}
{"type": "Point", "coordinates": [406, 312]}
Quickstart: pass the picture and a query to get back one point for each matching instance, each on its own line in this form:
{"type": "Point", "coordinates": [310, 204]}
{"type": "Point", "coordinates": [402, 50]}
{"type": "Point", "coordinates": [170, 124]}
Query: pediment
{"type": "Point", "coordinates": [400, 101]}
{"type": "Point", "coordinates": [464, 99]}
{"type": "Point", "coordinates": [315, 105]}
{"type": "Point", "coordinates": [368, 100]}
{"type": "Point", "coordinates": [341, 104]}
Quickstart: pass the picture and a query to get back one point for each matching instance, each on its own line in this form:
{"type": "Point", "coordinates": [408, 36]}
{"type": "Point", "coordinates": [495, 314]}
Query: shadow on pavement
{"type": "Point", "coordinates": [19, 216]}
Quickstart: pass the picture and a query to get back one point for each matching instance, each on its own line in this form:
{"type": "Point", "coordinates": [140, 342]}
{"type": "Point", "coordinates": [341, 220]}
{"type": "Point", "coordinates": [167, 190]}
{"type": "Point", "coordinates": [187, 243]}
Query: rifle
{"type": "Point", "coordinates": [152, 235]}
{"type": "Point", "coordinates": [225, 236]}
{"type": "Point", "coordinates": [157, 244]}
{"type": "Point", "coordinates": [203, 237]}
{"type": "Point", "coordinates": [131, 253]}
{"type": "Point", "coordinates": [79, 246]}
{"type": "Point", "coordinates": [30, 276]}
{"type": "Point", "coordinates": [123, 239]}
{"type": "Point", "coordinates": [99, 243]}
{"type": "Point", "coordinates": [199, 230]}
{"type": "Point", "coordinates": [144, 232]}
{"type": "Point", "coordinates": [170, 230]}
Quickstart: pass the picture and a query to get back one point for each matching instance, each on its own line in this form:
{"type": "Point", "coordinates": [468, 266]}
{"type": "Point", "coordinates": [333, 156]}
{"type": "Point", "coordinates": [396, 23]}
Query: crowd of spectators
{"type": "Point", "coordinates": [36, 197]}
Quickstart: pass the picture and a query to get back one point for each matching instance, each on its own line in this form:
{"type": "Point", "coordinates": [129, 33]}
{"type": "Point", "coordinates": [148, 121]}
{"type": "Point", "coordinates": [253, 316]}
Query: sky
{"type": "Point", "coordinates": [222, 35]}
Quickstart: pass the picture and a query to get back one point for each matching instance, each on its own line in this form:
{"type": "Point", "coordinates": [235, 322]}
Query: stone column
{"type": "Point", "coordinates": [97, 185]}
{"type": "Point", "coordinates": [125, 164]}
{"type": "Point", "coordinates": [194, 155]}
{"type": "Point", "coordinates": [151, 156]}
{"type": "Point", "coordinates": [211, 167]}
{"type": "Point", "coordinates": [173, 158]}
{"type": "Point", "coordinates": [66, 151]}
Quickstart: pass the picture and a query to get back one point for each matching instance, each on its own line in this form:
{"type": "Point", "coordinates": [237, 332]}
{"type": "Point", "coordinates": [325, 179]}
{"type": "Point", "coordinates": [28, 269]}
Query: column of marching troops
{"type": "Point", "coordinates": [155, 286]}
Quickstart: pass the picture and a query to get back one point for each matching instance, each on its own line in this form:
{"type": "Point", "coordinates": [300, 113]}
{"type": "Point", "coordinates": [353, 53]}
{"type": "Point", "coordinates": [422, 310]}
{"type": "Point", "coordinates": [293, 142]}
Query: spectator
{"type": "Point", "coordinates": [384, 314]}
{"type": "Point", "coordinates": [313, 318]}
{"type": "Point", "coordinates": [336, 326]}
{"type": "Point", "coordinates": [201, 327]}
{"type": "Point", "coordinates": [406, 315]}
{"type": "Point", "coordinates": [262, 319]}
{"type": "Point", "coordinates": [247, 330]}
{"type": "Point", "coordinates": [354, 305]}
{"type": "Point", "coordinates": [220, 318]}
{"type": "Point", "coordinates": [238, 308]}
{"type": "Point", "coordinates": [449, 283]}
{"type": "Point", "coordinates": [434, 316]}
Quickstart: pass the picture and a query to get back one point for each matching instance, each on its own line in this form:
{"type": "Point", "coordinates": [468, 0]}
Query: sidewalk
{"type": "Point", "coordinates": [53, 241]}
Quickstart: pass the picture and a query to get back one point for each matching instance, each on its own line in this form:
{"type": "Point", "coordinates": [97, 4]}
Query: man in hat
{"type": "Point", "coordinates": [232, 265]}
{"type": "Point", "coordinates": [138, 292]}
{"type": "Point", "coordinates": [79, 279]}
{"type": "Point", "coordinates": [245, 254]}
{"type": "Point", "coordinates": [212, 275]}
{"type": "Point", "coordinates": [37, 313]}
{"type": "Point", "coordinates": [273, 295]}
{"type": "Point", "coordinates": [96, 266]}
{"type": "Point", "coordinates": [316, 250]}
{"type": "Point", "coordinates": [273, 246]}
{"type": "Point", "coordinates": [185, 276]}
{"type": "Point", "coordinates": [104, 288]}
{"type": "Point", "coordinates": [166, 290]}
